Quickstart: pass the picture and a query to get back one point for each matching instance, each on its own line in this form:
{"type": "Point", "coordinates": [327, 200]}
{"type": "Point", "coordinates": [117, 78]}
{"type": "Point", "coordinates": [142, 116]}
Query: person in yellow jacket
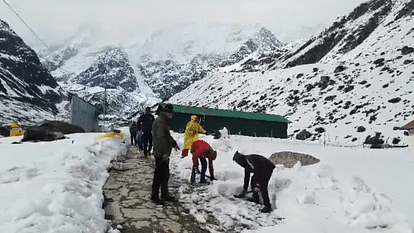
{"type": "Point", "coordinates": [191, 134]}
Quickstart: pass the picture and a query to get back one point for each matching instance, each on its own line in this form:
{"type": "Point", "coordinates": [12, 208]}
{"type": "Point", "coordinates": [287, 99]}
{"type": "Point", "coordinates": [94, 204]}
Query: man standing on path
{"type": "Point", "coordinates": [163, 144]}
{"type": "Point", "coordinates": [146, 120]}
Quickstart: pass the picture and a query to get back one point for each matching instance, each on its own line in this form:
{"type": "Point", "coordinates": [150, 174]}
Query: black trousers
{"type": "Point", "coordinates": [133, 141]}
{"type": "Point", "coordinates": [261, 181]}
{"type": "Point", "coordinates": [147, 142]}
{"type": "Point", "coordinates": [161, 176]}
{"type": "Point", "coordinates": [203, 162]}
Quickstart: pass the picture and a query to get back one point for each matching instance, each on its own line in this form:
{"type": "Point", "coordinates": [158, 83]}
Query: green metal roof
{"type": "Point", "coordinates": [227, 113]}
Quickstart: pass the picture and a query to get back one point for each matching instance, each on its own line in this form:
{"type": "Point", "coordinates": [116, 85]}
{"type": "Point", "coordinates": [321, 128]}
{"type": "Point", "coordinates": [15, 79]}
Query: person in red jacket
{"type": "Point", "coordinates": [201, 150]}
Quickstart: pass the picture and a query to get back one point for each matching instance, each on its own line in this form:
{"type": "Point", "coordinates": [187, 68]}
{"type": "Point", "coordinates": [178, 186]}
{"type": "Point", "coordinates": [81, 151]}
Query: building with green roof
{"type": "Point", "coordinates": [236, 122]}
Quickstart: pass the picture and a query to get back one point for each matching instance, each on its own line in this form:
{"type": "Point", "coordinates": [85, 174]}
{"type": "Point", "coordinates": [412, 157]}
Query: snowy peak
{"type": "Point", "coordinates": [110, 69]}
{"type": "Point", "coordinates": [26, 87]}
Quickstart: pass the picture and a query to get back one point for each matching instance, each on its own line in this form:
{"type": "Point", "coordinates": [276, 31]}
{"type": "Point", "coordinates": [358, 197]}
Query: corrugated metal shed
{"type": "Point", "coordinates": [237, 122]}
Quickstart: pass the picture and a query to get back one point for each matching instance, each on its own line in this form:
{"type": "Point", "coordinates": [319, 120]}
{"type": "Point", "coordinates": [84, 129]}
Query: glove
{"type": "Point", "coordinates": [241, 195]}
{"type": "Point", "coordinates": [184, 153]}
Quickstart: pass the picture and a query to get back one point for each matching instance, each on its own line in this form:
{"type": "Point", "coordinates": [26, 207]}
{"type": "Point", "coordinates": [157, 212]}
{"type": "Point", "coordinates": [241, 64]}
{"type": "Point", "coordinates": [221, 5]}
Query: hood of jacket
{"type": "Point", "coordinates": [241, 159]}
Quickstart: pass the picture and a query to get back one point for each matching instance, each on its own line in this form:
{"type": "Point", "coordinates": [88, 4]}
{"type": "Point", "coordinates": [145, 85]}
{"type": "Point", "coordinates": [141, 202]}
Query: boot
{"type": "Point", "coordinates": [204, 181]}
{"type": "Point", "coordinates": [157, 200]}
{"type": "Point", "coordinates": [254, 199]}
{"type": "Point", "coordinates": [266, 209]}
{"type": "Point", "coordinates": [167, 197]}
{"type": "Point", "coordinates": [212, 177]}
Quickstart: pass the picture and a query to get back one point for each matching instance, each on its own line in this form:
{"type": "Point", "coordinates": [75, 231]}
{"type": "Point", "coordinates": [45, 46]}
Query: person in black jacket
{"type": "Point", "coordinates": [262, 170]}
{"type": "Point", "coordinates": [146, 120]}
{"type": "Point", "coordinates": [133, 131]}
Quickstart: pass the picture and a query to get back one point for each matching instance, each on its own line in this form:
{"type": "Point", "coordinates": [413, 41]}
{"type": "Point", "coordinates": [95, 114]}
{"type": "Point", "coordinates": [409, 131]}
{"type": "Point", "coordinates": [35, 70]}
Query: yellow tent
{"type": "Point", "coordinates": [16, 130]}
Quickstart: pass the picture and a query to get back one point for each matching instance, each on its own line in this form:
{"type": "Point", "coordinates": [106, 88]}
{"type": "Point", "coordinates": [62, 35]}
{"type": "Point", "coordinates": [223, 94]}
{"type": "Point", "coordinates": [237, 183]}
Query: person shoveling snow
{"type": "Point", "coordinates": [262, 170]}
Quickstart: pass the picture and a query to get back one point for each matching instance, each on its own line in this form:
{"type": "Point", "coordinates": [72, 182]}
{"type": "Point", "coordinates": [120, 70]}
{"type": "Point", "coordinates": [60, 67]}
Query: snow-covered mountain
{"type": "Point", "coordinates": [27, 90]}
{"type": "Point", "coordinates": [89, 71]}
{"type": "Point", "coordinates": [354, 79]}
{"type": "Point", "coordinates": [156, 67]}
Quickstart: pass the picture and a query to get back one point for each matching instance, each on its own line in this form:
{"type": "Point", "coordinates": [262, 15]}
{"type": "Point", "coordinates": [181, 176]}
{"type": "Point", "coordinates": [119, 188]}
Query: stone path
{"type": "Point", "coordinates": [127, 199]}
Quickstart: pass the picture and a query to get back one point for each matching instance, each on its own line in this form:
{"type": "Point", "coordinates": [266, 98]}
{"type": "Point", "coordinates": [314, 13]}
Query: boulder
{"type": "Point", "coordinates": [64, 127]}
{"type": "Point", "coordinates": [289, 158]}
{"type": "Point", "coordinates": [303, 135]}
{"type": "Point", "coordinates": [42, 133]}
{"type": "Point", "coordinates": [4, 131]}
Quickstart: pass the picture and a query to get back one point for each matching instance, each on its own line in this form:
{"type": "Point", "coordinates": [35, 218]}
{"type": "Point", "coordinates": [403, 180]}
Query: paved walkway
{"type": "Point", "coordinates": [127, 199]}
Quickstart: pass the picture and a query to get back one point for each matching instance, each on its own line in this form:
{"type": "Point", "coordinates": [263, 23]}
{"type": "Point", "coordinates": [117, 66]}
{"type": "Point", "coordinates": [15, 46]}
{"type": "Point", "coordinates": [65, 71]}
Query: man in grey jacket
{"type": "Point", "coordinates": [163, 143]}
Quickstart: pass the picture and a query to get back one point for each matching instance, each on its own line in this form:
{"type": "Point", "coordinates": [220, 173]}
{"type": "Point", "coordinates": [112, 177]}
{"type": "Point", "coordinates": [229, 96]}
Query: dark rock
{"type": "Point", "coordinates": [374, 140]}
{"type": "Point", "coordinates": [64, 127]}
{"type": "Point", "coordinates": [406, 62]}
{"type": "Point", "coordinates": [325, 79]}
{"type": "Point", "coordinates": [299, 75]}
{"type": "Point", "coordinates": [407, 50]}
{"type": "Point", "coordinates": [394, 100]}
{"type": "Point", "coordinates": [396, 140]}
{"type": "Point", "coordinates": [361, 129]}
{"type": "Point", "coordinates": [348, 88]}
{"type": "Point", "coordinates": [309, 87]}
{"type": "Point", "coordinates": [303, 135]}
{"type": "Point", "coordinates": [289, 159]}
{"type": "Point", "coordinates": [42, 133]}
{"type": "Point", "coordinates": [330, 98]}
{"type": "Point", "coordinates": [320, 130]}
{"type": "Point", "coordinates": [339, 69]}
{"type": "Point", "coordinates": [4, 131]}
{"type": "Point", "coordinates": [379, 62]}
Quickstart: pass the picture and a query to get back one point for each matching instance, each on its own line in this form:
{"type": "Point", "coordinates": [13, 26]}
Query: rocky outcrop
{"type": "Point", "coordinates": [289, 159]}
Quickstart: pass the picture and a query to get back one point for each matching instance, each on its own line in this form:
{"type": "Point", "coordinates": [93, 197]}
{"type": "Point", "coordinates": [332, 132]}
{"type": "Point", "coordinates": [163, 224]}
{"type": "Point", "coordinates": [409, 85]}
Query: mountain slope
{"type": "Point", "coordinates": [162, 65]}
{"type": "Point", "coordinates": [339, 91]}
{"type": "Point", "coordinates": [27, 90]}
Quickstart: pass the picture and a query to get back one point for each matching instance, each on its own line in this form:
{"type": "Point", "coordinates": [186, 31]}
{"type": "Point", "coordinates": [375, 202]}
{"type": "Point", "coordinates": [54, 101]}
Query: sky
{"type": "Point", "coordinates": [349, 190]}
{"type": "Point", "coordinates": [55, 21]}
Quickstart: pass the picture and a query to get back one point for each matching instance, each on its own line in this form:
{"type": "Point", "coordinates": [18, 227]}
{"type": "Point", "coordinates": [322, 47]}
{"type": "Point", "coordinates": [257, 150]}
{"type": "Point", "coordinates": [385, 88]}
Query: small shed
{"type": "Point", "coordinates": [236, 122]}
{"type": "Point", "coordinates": [83, 114]}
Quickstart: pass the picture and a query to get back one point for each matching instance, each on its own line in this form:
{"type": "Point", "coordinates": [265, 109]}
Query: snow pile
{"type": "Point", "coordinates": [55, 186]}
{"type": "Point", "coordinates": [303, 197]}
